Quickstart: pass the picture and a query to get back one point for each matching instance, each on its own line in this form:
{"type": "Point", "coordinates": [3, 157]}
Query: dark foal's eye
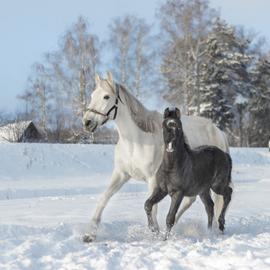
{"type": "Point", "coordinates": [106, 97]}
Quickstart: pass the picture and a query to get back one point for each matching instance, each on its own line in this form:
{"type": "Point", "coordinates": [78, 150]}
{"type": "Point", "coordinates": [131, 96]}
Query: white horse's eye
{"type": "Point", "coordinates": [106, 97]}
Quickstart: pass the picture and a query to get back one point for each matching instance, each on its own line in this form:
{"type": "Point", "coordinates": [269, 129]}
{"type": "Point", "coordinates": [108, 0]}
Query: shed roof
{"type": "Point", "coordinates": [12, 132]}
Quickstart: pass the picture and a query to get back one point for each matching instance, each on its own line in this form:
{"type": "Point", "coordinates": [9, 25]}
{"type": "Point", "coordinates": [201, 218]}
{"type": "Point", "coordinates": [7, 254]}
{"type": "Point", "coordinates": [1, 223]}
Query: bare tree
{"type": "Point", "coordinates": [4, 118]}
{"type": "Point", "coordinates": [130, 43]}
{"type": "Point", "coordinates": [58, 89]}
{"type": "Point", "coordinates": [80, 58]}
{"type": "Point", "coordinates": [36, 96]}
{"type": "Point", "coordinates": [184, 25]}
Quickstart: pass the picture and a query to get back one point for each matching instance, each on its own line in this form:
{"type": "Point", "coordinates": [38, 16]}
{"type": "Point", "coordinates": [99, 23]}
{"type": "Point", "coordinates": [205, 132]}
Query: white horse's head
{"type": "Point", "coordinates": [103, 105]}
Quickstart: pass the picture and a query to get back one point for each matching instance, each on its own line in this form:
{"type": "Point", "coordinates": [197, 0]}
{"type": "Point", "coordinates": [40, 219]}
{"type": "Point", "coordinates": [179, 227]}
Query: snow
{"type": "Point", "coordinates": [240, 99]}
{"type": "Point", "coordinates": [49, 192]}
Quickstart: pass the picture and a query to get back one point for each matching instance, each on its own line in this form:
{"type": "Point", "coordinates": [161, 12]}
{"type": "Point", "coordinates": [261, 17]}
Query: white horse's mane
{"type": "Point", "coordinates": [146, 120]}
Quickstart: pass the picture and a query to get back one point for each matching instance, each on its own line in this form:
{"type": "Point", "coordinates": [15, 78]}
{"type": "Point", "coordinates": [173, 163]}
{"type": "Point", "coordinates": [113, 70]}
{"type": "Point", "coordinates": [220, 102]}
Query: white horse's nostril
{"type": "Point", "coordinates": [87, 123]}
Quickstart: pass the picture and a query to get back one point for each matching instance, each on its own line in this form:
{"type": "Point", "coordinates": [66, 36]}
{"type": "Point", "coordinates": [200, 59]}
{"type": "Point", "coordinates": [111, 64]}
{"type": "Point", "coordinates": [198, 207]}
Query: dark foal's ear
{"type": "Point", "coordinates": [178, 113]}
{"type": "Point", "coordinates": [166, 113]}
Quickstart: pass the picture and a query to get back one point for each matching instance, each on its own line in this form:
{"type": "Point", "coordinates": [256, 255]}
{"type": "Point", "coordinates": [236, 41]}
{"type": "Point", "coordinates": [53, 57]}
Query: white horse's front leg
{"type": "Point", "coordinates": [151, 186]}
{"type": "Point", "coordinates": [186, 203]}
{"type": "Point", "coordinates": [117, 181]}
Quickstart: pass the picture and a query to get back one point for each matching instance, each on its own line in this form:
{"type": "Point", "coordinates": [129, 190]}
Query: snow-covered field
{"type": "Point", "coordinates": [48, 194]}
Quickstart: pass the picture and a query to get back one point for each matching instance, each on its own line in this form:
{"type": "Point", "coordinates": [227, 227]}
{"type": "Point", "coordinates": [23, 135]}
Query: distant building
{"type": "Point", "coordinates": [23, 131]}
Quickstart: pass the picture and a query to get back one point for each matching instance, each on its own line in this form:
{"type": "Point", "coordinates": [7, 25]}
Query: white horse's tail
{"type": "Point", "coordinates": [227, 149]}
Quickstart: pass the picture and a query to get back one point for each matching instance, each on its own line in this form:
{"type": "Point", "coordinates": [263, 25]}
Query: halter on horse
{"type": "Point", "coordinates": [114, 107]}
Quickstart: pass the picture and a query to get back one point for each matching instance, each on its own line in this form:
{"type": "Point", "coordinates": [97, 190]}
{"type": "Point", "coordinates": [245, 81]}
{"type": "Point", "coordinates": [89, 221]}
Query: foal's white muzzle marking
{"type": "Point", "coordinates": [170, 122]}
{"type": "Point", "coordinates": [169, 148]}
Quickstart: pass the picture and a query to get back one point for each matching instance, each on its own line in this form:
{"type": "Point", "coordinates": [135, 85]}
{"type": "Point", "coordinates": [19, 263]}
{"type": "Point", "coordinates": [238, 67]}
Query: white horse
{"type": "Point", "coordinates": [139, 151]}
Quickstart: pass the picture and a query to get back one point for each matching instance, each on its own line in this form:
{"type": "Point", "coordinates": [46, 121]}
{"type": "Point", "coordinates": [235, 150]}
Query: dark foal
{"type": "Point", "coordinates": [186, 172]}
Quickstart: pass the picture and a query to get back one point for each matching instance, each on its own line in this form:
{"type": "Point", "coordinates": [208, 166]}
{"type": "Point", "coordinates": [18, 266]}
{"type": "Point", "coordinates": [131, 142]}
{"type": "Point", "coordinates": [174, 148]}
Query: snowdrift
{"type": "Point", "coordinates": [49, 192]}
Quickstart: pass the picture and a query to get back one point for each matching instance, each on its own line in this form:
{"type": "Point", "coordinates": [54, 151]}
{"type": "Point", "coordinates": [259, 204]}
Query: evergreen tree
{"type": "Point", "coordinates": [224, 75]}
{"type": "Point", "coordinates": [215, 105]}
{"type": "Point", "coordinates": [259, 106]}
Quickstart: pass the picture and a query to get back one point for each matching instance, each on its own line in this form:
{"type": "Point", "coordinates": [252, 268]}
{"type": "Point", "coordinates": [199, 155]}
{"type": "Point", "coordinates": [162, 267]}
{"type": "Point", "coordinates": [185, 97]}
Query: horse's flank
{"type": "Point", "coordinates": [150, 122]}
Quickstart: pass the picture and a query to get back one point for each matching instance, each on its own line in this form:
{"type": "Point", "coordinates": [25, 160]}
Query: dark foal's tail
{"type": "Point", "coordinates": [230, 183]}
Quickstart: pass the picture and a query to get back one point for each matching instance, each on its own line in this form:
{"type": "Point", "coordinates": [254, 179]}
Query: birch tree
{"type": "Point", "coordinates": [64, 81]}
{"type": "Point", "coordinates": [132, 53]}
{"type": "Point", "coordinates": [37, 96]}
{"type": "Point", "coordinates": [80, 58]}
{"type": "Point", "coordinates": [184, 25]}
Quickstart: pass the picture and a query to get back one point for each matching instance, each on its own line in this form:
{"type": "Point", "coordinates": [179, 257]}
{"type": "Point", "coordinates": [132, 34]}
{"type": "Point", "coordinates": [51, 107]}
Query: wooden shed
{"type": "Point", "coordinates": [23, 131]}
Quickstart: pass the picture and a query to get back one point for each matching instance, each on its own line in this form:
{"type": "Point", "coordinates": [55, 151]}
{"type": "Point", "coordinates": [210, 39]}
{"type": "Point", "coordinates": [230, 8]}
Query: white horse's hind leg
{"type": "Point", "coordinates": [117, 181]}
{"type": "Point", "coordinates": [186, 203]}
{"type": "Point", "coordinates": [218, 204]}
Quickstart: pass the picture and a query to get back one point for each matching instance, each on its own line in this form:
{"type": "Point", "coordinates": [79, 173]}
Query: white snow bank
{"type": "Point", "coordinates": [34, 170]}
{"type": "Point", "coordinates": [250, 156]}
{"type": "Point", "coordinates": [21, 161]}
{"type": "Point", "coordinates": [48, 193]}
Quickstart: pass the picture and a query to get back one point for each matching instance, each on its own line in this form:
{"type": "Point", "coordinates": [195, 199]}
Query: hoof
{"type": "Point", "coordinates": [221, 223]}
{"type": "Point", "coordinates": [154, 229]}
{"type": "Point", "coordinates": [221, 228]}
{"type": "Point", "coordinates": [88, 238]}
{"type": "Point", "coordinates": [167, 235]}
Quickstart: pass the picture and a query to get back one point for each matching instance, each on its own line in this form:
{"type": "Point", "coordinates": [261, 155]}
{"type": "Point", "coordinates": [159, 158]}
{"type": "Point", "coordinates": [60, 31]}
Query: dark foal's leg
{"type": "Point", "coordinates": [157, 195]}
{"type": "Point", "coordinates": [227, 198]}
{"type": "Point", "coordinates": [209, 206]}
{"type": "Point", "coordinates": [176, 199]}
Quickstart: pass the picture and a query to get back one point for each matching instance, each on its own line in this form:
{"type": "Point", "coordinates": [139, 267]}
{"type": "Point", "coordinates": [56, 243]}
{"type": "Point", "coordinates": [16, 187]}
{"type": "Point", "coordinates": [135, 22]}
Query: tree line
{"type": "Point", "coordinates": [189, 56]}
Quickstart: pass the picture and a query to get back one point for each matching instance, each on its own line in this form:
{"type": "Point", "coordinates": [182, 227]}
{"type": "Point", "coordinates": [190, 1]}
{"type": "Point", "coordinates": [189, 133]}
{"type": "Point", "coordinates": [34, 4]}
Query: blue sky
{"type": "Point", "coordinates": [29, 28]}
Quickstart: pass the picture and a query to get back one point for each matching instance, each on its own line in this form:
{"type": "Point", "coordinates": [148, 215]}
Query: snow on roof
{"type": "Point", "coordinates": [12, 132]}
{"type": "Point", "coordinates": [240, 99]}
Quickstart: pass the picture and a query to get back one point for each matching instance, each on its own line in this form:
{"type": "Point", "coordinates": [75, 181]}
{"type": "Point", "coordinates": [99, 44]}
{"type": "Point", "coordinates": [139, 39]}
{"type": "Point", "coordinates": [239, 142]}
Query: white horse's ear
{"type": "Point", "coordinates": [110, 77]}
{"type": "Point", "coordinates": [97, 79]}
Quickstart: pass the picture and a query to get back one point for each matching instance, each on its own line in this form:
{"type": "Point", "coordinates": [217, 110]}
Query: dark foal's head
{"type": "Point", "coordinates": [172, 128]}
